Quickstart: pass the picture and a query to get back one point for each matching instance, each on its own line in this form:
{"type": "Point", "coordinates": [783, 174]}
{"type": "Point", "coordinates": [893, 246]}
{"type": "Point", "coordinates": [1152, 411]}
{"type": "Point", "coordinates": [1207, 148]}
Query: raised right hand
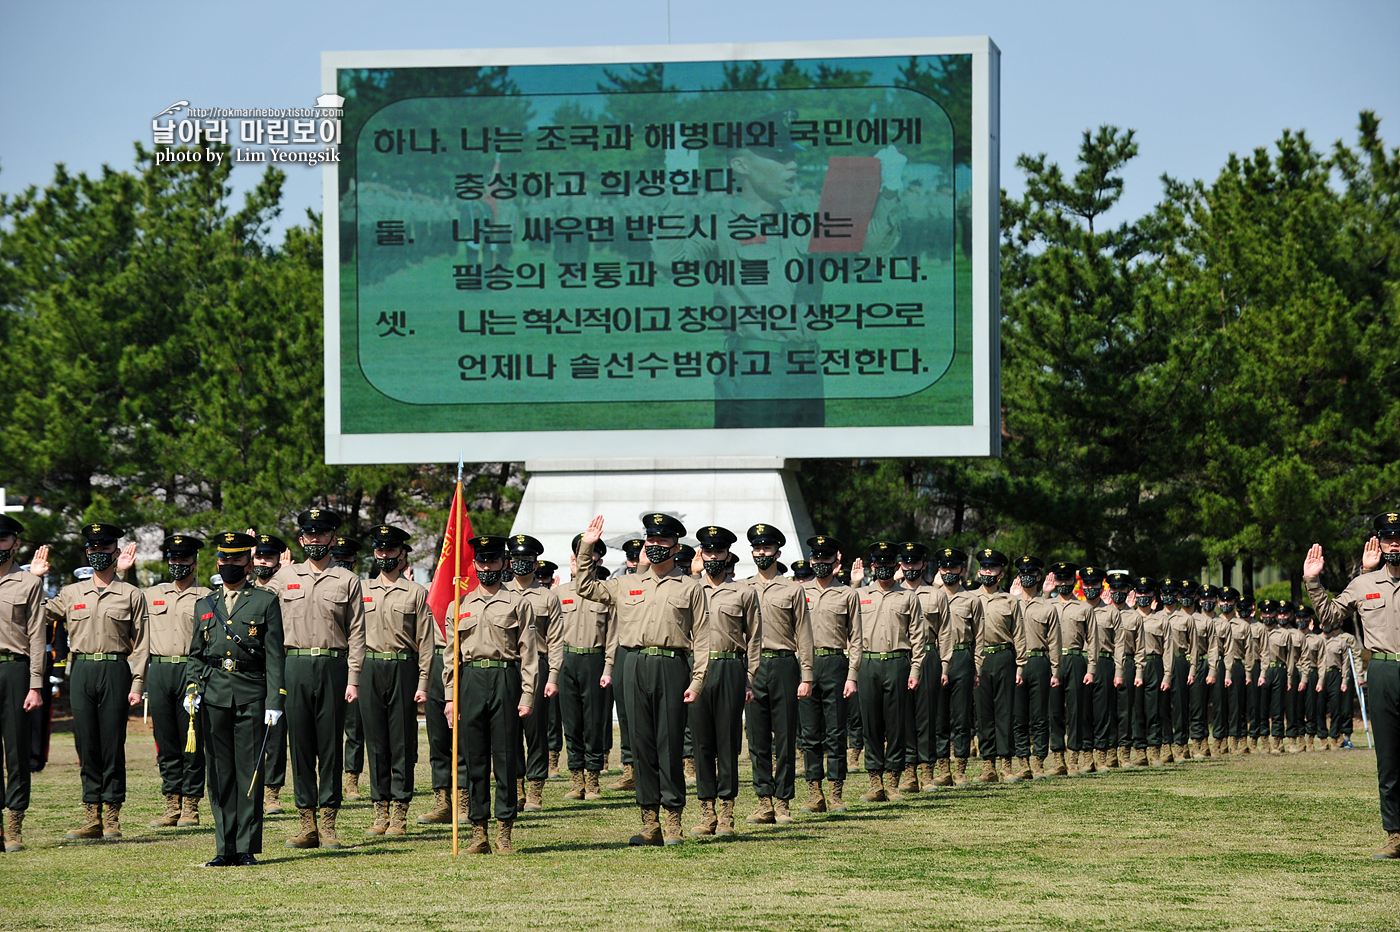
{"type": "Point", "coordinates": [594, 532]}
{"type": "Point", "coordinates": [1313, 562]}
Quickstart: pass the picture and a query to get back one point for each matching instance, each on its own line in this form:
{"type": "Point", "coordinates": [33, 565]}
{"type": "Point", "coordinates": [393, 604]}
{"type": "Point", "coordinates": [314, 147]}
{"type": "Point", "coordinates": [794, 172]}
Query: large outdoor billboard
{"type": "Point", "coordinates": [785, 249]}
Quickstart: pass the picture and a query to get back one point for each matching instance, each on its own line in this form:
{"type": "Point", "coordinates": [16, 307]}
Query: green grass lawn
{"type": "Point", "coordinates": [1254, 843]}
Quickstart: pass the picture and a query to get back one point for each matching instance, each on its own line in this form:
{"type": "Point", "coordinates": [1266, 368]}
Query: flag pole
{"type": "Point", "coordinates": [456, 646]}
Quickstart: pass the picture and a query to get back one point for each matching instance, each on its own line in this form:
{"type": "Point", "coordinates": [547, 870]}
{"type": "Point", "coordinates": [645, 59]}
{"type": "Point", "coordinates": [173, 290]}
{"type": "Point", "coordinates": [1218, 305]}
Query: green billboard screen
{"type": "Point", "coordinates": [610, 252]}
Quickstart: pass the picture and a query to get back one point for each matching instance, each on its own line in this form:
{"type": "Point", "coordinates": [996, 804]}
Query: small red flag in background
{"type": "Point", "coordinates": [457, 559]}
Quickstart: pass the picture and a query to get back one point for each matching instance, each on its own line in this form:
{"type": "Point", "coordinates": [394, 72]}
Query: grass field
{"type": "Point", "coordinates": [1254, 843]}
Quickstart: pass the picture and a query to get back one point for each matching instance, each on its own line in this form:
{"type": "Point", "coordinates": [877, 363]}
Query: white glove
{"type": "Point", "coordinates": [271, 717]}
{"type": "Point", "coordinates": [192, 703]}
{"type": "Point", "coordinates": [892, 163]}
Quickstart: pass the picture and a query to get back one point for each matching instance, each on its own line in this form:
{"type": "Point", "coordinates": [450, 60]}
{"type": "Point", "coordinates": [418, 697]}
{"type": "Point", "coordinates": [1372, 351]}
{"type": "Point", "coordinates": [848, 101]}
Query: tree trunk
{"type": "Point", "coordinates": [1227, 571]}
{"type": "Point", "coordinates": [1247, 575]}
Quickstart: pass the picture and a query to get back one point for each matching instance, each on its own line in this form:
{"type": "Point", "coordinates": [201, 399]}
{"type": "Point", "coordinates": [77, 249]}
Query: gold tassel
{"type": "Point", "coordinates": [189, 738]}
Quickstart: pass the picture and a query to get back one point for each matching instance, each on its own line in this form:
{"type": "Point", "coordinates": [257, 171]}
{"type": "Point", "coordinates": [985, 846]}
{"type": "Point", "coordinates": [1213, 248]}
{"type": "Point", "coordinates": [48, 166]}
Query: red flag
{"type": "Point", "coordinates": [457, 559]}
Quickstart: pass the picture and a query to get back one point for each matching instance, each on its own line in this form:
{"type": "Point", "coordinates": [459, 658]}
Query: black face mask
{"type": "Point", "coordinates": [763, 562]}
{"type": "Point", "coordinates": [1092, 594]}
{"type": "Point", "coordinates": [344, 564]}
{"type": "Point", "coordinates": [1030, 583]}
{"type": "Point", "coordinates": [1246, 613]}
{"type": "Point", "coordinates": [386, 564]}
{"type": "Point", "coordinates": [1187, 601]}
{"type": "Point", "coordinates": [5, 556]}
{"type": "Point", "coordinates": [1391, 559]}
{"type": "Point", "coordinates": [1064, 589]}
{"type": "Point", "coordinates": [100, 561]}
{"type": "Point", "coordinates": [232, 574]}
{"type": "Point", "coordinates": [1207, 606]}
{"type": "Point", "coordinates": [1119, 597]}
{"type": "Point", "coordinates": [523, 567]}
{"type": "Point", "coordinates": [488, 577]}
{"type": "Point", "coordinates": [913, 576]}
{"type": "Point", "coordinates": [822, 570]}
{"type": "Point", "coordinates": [317, 551]}
{"type": "Point", "coordinates": [265, 572]}
{"type": "Point", "coordinates": [950, 579]}
{"type": "Point", "coordinates": [1168, 599]}
{"type": "Point", "coordinates": [658, 553]}
{"type": "Point", "coordinates": [987, 579]}
{"type": "Point", "coordinates": [883, 571]}
{"type": "Point", "coordinates": [178, 571]}
{"type": "Point", "coordinates": [1143, 600]}
{"type": "Point", "coordinates": [716, 569]}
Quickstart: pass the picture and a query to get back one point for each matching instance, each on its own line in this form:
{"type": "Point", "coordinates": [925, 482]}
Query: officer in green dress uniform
{"type": "Point", "coordinates": [234, 682]}
{"type": "Point", "coordinates": [267, 560]}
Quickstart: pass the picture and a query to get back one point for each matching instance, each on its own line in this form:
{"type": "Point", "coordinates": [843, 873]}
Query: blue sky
{"type": "Point", "coordinates": [80, 81]}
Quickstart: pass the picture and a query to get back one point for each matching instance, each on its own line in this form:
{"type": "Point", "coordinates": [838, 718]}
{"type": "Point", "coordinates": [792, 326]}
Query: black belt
{"type": "Point", "coordinates": [229, 665]}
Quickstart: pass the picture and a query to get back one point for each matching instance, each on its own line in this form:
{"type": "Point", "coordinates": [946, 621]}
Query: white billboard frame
{"type": "Point", "coordinates": [981, 438]}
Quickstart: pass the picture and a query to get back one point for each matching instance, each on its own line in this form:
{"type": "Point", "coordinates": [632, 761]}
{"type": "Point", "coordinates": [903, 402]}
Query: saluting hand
{"type": "Point", "coordinates": [127, 560]}
{"type": "Point", "coordinates": [39, 564]}
{"type": "Point", "coordinates": [1370, 554]}
{"type": "Point", "coordinates": [594, 532]}
{"type": "Point", "coordinates": [1313, 562]}
{"type": "Point", "coordinates": [857, 572]}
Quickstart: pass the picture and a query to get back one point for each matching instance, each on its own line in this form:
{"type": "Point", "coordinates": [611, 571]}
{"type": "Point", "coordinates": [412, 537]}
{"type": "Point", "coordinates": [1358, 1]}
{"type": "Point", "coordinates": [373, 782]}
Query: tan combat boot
{"type": "Point", "coordinates": [381, 818]}
{"type": "Point", "coordinates": [520, 791]}
{"type": "Point", "coordinates": [171, 816]}
{"type": "Point", "coordinates": [1058, 767]}
{"type": "Point", "coordinates": [726, 819]}
{"type": "Point", "coordinates": [960, 772]}
{"type": "Point", "coordinates": [1021, 766]}
{"type": "Point", "coordinates": [624, 783]}
{"type": "Point", "coordinates": [1107, 760]}
{"type": "Point", "coordinates": [328, 837]}
{"type": "Point", "coordinates": [553, 764]}
{"type": "Point", "coordinates": [816, 802]}
{"type": "Point", "coordinates": [14, 830]}
{"type": "Point", "coordinates": [352, 785]}
{"type": "Point", "coordinates": [909, 780]}
{"type": "Point", "coordinates": [463, 806]}
{"type": "Point", "coordinates": [1006, 770]}
{"type": "Point", "coordinates": [651, 830]}
{"type": "Point", "coordinates": [781, 813]}
{"type": "Point", "coordinates": [835, 803]}
{"type": "Point", "coordinates": [307, 837]}
{"type": "Point", "coordinates": [504, 844]}
{"type": "Point", "coordinates": [1037, 768]}
{"type": "Point", "coordinates": [944, 776]}
{"type": "Point", "coordinates": [1071, 759]}
{"type": "Point", "coordinates": [876, 793]}
{"type": "Point", "coordinates": [441, 813]}
{"type": "Point", "coordinates": [590, 786]}
{"type": "Point", "coordinates": [1154, 755]}
{"type": "Point", "coordinates": [989, 772]}
{"type": "Point", "coordinates": [272, 803]}
{"type": "Point", "coordinates": [892, 791]}
{"type": "Point", "coordinates": [189, 811]}
{"type": "Point", "coordinates": [671, 833]}
{"type": "Point", "coordinates": [92, 823]}
{"type": "Point", "coordinates": [575, 785]}
{"type": "Point", "coordinates": [1275, 745]}
{"type": "Point", "coordinates": [480, 843]}
{"type": "Point", "coordinates": [852, 758]}
{"type": "Point", "coordinates": [927, 776]}
{"type": "Point", "coordinates": [1390, 850]}
{"type": "Point", "coordinates": [1087, 767]}
{"type": "Point", "coordinates": [398, 819]}
{"type": "Point", "coordinates": [534, 797]}
{"type": "Point", "coordinates": [708, 821]}
{"type": "Point", "coordinates": [1327, 743]}
{"type": "Point", "coordinates": [764, 814]}
{"type": "Point", "coordinates": [111, 822]}
{"type": "Point", "coordinates": [690, 771]}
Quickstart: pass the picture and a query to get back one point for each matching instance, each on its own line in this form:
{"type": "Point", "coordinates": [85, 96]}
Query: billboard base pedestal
{"type": "Point", "coordinates": [736, 492]}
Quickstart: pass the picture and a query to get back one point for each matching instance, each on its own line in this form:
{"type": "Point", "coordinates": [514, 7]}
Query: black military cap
{"type": "Point", "coordinates": [779, 144]}
{"type": "Point", "coordinates": [1209, 593]}
{"type": "Point", "coordinates": [487, 546]}
{"type": "Point", "coordinates": [600, 549]}
{"type": "Point", "coordinates": [882, 551]}
{"type": "Point", "coordinates": [659, 525]}
{"type": "Point", "coordinates": [601, 572]}
{"type": "Point", "coordinates": [1118, 579]}
{"type": "Point", "coordinates": [182, 545]}
{"type": "Point", "coordinates": [102, 533]}
{"type": "Point", "coordinates": [523, 545]}
{"type": "Point", "coordinates": [386, 535]}
{"type": "Point", "coordinates": [1387, 524]}
{"type": "Point", "coordinates": [713, 537]}
{"type": "Point", "coordinates": [912, 552]}
{"type": "Point", "coordinates": [1170, 584]}
{"type": "Point", "coordinates": [844, 577]}
{"type": "Point", "coordinates": [1229, 594]}
{"type": "Point", "coordinates": [546, 570]}
{"type": "Point", "coordinates": [234, 542]}
{"type": "Point", "coordinates": [766, 534]}
{"type": "Point", "coordinates": [686, 555]}
{"type": "Point", "coordinates": [1092, 575]}
{"type": "Point", "coordinates": [1283, 607]}
{"type": "Point", "coordinates": [801, 569]}
{"type": "Point", "coordinates": [822, 546]}
{"type": "Point", "coordinates": [1303, 613]}
{"type": "Point", "coordinates": [989, 557]}
{"type": "Point", "coordinates": [949, 558]}
{"type": "Point", "coordinates": [1144, 584]}
{"type": "Point", "coordinates": [267, 543]}
{"type": "Point", "coordinates": [345, 548]}
{"type": "Point", "coordinates": [1029, 564]}
{"type": "Point", "coordinates": [319, 519]}
{"type": "Point", "coordinates": [782, 568]}
{"type": "Point", "coordinates": [9, 525]}
{"type": "Point", "coordinates": [1187, 586]}
{"type": "Point", "coordinates": [630, 548]}
{"type": "Point", "coordinates": [1245, 601]}
{"type": "Point", "coordinates": [1064, 572]}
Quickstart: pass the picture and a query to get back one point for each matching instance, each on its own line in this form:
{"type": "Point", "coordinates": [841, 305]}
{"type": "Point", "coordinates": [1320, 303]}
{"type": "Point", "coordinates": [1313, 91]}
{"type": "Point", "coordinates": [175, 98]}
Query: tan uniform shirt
{"type": "Point", "coordinates": [171, 614]}
{"type": "Point", "coordinates": [1219, 641]}
{"type": "Point", "coordinates": [1311, 660]}
{"type": "Point", "coordinates": [652, 611]}
{"type": "Point", "coordinates": [960, 626]}
{"type": "Point", "coordinates": [1334, 655]}
{"type": "Point", "coordinates": [1129, 636]}
{"type": "Point", "coordinates": [1295, 644]}
{"type": "Point", "coordinates": [1105, 628]}
{"type": "Point", "coordinates": [1001, 624]}
{"type": "Point", "coordinates": [324, 610]}
{"type": "Point", "coordinates": [1203, 632]}
{"type": "Point", "coordinates": [22, 620]}
{"type": "Point", "coordinates": [786, 624]}
{"type": "Point", "coordinates": [548, 623]}
{"type": "Point", "coordinates": [1258, 634]}
{"type": "Point", "coordinates": [1077, 628]}
{"type": "Point", "coordinates": [397, 619]}
{"type": "Point", "coordinates": [1154, 639]}
{"type": "Point", "coordinates": [1278, 648]}
{"type": "Point", "coordinates": [934, 603]}
{"type": "Point", "coordinates": [1039, 629]}
{"type": "Point", "coordinates": [585, 623]}
{"type": "Point", "coordinates": [734, 623]}
{"type": "Point", "coordinates": [1375, 597]}
{"type": "Point", "coordinates": [835, 615]}
{"type": "Point", "coordinates": [1240, 646]}
{"type": "Point", "coordinates": [496, 627]}
{"type": "Point", "coordinates": [890, 620]}
{"type": "Point", "coordinates": [106, 621]}
{"type": "Point", "coordinates": [1182, 638]}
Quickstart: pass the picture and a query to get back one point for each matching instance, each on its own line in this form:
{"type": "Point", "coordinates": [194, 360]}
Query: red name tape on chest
{"type": "Point", "coordinates": [465, 615]}
{"type": "Point", "coordinates": [866, 601]}
{"type": "Point", "coordinates": [567, 601]}
{"type": "Point", "coordinates": [295, 585]}
{"type": "Point", "coordinates": [80, 605]}
{"type": "Point", "coordinates": [1373, 595]}
{"type": "Point", "coordinates": [369, 598]}
{"type": "Point", "coordinates": [634, 591]}
{"type": "Point", "coordinates": [158, 602]}
{"type": "Point", "coordinates": [206, 616]}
